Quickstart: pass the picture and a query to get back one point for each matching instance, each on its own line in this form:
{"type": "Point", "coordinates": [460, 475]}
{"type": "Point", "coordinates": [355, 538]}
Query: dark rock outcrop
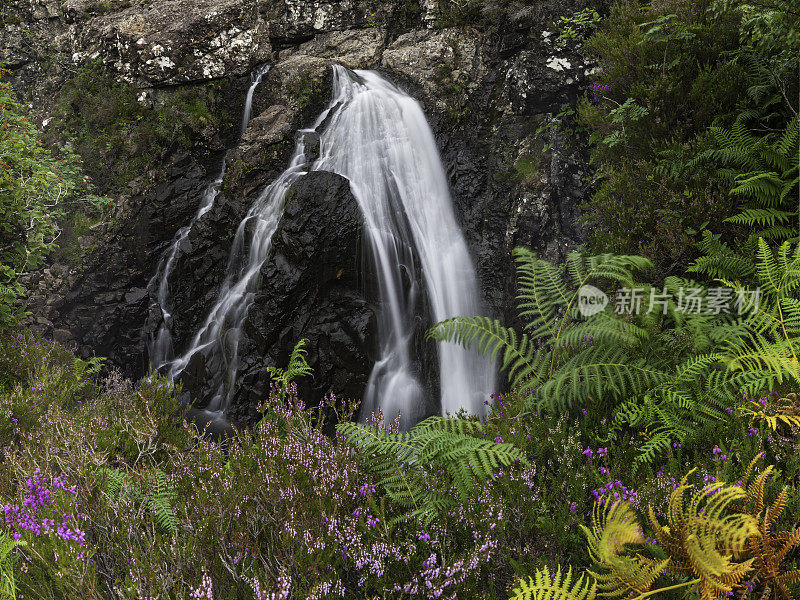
{"type": "Point", "coordinates": [310, 289]}
{"type": "Point", "coordinates": [101, 303]}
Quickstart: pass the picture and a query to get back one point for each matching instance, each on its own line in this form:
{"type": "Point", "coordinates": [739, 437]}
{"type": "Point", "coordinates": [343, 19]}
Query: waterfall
{"type": "Point", "coordinates": [255, 79]}
{"type": "Point", "coordinates": [218, 337]}
{"type": "Point", "coordinates": [159, 345]}
{"type": "Point", "coordinates": [381, 142]}
{"type": "Point", "coordinates": [378, 138]}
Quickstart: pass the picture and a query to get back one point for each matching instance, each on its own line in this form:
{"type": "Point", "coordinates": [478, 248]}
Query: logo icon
{"type": "Point", "coordinates": [591, 300]}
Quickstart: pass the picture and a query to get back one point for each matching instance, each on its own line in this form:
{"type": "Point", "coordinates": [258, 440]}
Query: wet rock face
{"type": "Point", "coordinates": [310, 289]}
{"type": "Point", "coordinates": [101, 303]}
{"type": "Point", "coordinates": [489, 95]}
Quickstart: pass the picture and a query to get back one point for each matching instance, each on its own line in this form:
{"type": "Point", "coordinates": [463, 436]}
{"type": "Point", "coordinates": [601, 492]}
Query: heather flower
{"type": "Point", "coordinates": [205, 591]}
{"type": "Point", "coordinates": [28, 515]}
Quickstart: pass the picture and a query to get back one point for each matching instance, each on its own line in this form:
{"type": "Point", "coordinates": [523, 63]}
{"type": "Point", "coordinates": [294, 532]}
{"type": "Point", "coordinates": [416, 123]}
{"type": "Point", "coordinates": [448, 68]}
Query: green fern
{"type": "Point", "coordinates": [8, 588]}
{"type": "Point", "coordinates": [158, 496]}
{"type": "Point", "coordinates": [297, 367]}
{"type": "Point", "coordinates": [405, 462]}
{"type": "Point", "coordinates": [114, 483]}
{"type": "Point", "coordinates": [664, 373]}
{"type": "Point", "coordinates": [521, 358]}
{"type": "Point", "coordinates": [548, 300]}
{"type": "Point", "coordinates": [764, 174]}
{"type": "Point", "coordinates": [160, 501]}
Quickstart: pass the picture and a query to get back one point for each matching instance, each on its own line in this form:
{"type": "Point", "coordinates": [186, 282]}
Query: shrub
{"type": "Point", "coordinates": [669, 71]}
{"type": "Point", "coordinates": [37, 188]}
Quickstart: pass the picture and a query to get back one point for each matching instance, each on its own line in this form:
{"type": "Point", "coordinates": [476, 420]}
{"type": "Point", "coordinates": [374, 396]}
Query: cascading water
{"type": "Point", "coordinates": [377, 137]}
{"type": "Point", "coordinates": [160, 346]}
{"type": "Point", "coordinates": [381, 142]}
{"type": "Point", "coordinates": [255, 79]}
{"type": "Point", "coordinates": [218, 337]}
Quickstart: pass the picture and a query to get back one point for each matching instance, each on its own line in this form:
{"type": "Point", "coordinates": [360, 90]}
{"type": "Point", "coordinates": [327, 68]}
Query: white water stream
{"type": "Point", "coordinates": [160, 347]}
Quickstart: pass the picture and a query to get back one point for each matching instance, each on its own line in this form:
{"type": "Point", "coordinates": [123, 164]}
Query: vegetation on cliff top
{"type": "Point", "coordinates": [120, 136]}
{"type": "Point", "coordinates": [678, 85]}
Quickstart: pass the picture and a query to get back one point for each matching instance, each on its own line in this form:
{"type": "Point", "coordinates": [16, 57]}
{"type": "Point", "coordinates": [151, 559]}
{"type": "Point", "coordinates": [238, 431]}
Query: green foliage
{"type": "Point", "coordinates": [8, 588]}
{"type": "Point", "coordinates": [653, 373]}
{"type": "Point", "coordinates": [527, 168]}
{"type": "Point", "coordinates": [553, 360]}
{"type": "Point", "coordinates": [101, 7]}
{"type": "Point", "coordinates": [458, 13]}
{"type": "Point", "coordinates": [407, 15]}
{"type": "Point", "coordinates": [441, 449]}
{"type": "Point", "coordinates": [770, 340]}
{"type": "Point", "coordinates": [297, 367]}
{"type": "Point", "coordinates": [669, 71]}
{"type": "Point", "coordinates": [160, 500]}
{"type": "Point", "coordinates": [764, 174]}
{"type": "Point", "coordinates": [276, 504]}
{"type": "Point", "coordinates": [158, 496]}
{"type": "Point", "coordinates": [577, 25]}
{"type": "Point", "coordinates": [37, 188]}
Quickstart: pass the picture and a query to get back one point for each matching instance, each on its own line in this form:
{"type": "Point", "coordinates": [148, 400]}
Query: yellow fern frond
{"type": "Point", "coordinates": [703, 540]}
{"type": "Point", "coordinates": [769, 549]}
{"type": "Point", "coordinates": [556, 586]}
{"type": "Point", "coordinates": [615, 527]}
{"type": "Point", "coordinates": [784, 411]}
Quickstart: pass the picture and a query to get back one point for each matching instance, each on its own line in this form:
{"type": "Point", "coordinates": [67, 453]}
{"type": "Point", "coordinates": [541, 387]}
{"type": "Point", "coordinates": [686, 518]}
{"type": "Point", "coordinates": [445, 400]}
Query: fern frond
{"type": "Point", "coordinates": [297, 367]}
{"type": "Point", "coordinates": [721, 262]}
{"type": "Point", "coordinates": [767, 547]}
{"type": "Point", "coordinates": [701, 539]}
{"type": "Point", "coordinates": [160, 501]}
{"type": "Point", "coordinates": [615, 527]}
{"type": "Point", "coordinates": [597, 373]}
{"type": "Point", "coordinates": [402, 462]}
{"type": "Point", "coordinates": [114, 482]}
{"type": "Point", "coordinates": [785, 411]}
{"type": "Point", "coordinates": [8, 589]}
{"type": "Point", "coordinates": [557, 586]}
{"type": "Point", "coordinates": [519, 354]}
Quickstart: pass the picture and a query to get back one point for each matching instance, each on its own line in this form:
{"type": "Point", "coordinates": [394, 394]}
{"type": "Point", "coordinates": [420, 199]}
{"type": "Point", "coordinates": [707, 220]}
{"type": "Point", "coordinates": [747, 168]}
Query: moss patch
{"type": "Point", "coordinates": [118, 137]}
{"type": "Point", "coordinates": [301, 89]}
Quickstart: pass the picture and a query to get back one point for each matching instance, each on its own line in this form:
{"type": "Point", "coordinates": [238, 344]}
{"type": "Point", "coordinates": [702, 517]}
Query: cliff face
{"type": "Point", "coordinates": [489, 88]}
